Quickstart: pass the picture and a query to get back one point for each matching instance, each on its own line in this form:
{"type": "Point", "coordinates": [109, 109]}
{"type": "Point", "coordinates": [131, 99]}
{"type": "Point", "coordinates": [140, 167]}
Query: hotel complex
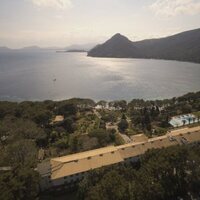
{"type": "Point", "coordinates": [66, 171]}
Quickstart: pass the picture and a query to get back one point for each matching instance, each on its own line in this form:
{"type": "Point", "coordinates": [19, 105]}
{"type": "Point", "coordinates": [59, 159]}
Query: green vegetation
{"type": "Point", "coordinates": [28, 128]}
{"type": "Point", "coordinates": [104, 137]}
{"type": "Point", "coordinates": [171, 173]}
{"type": "Point", "coordinates": [21, 182]}
{"type": "Point", "coordinates": [152, 117]}
{"type": "Point", "coordinates": [123, 124]}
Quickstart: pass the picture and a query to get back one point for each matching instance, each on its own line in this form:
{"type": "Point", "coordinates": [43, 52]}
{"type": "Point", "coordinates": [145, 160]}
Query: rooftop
{"type": "Point", "coordinates": [58, 118]}
{"type": "Point", "coordinates": [83, 155]}
{"type": "Point", "coordinates": [181, 120]}
{"type": "Point", "coordinates": [85, 161]}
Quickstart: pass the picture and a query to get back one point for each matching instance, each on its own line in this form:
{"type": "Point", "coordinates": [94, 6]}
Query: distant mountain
{"type": "Point", "coordinates": [184, 46]}
{"type": "Point", "coordinates": [4, 49]}
{"type": "Point", "coordinates": [31, 48]}
{"type": "Point", "coordinates": [25, 49]}
{"type": "Point", "coordinates": [86, 47]}
{"type": "Point", "coordinates": [118, 46]}
{"type": "Point", "coordinates": [76, 50]}
{"type": "Point", "coordinates": [72, 48]}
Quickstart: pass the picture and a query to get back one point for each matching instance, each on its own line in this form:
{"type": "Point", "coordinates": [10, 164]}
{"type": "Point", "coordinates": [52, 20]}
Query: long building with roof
{"type": "Point", "coordinates": [68, 170]}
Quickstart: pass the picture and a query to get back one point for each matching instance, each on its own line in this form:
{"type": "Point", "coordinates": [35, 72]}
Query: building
{"type": "Point", "coordinates": [57, 120]}
{"type": "Point", "coordinates": [182, 120]}
{"type": "Point", "coordinates": [68, 170]}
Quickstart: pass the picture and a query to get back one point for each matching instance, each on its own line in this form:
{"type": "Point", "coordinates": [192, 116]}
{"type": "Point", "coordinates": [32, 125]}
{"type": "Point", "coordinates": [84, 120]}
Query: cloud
{"type": "Point", "coordinates": [58, 4]}
{"type": "Point", "coordinates": [171, 8]}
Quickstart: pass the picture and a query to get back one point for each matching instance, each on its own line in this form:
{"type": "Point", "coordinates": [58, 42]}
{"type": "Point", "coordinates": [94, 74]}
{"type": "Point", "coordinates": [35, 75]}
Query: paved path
{"type": "Point", "coordinates": [97, 113]}
{"type": "Point", "coordinates": [114, 126]}
{"type": "Point", "coordinates": [124, 136]}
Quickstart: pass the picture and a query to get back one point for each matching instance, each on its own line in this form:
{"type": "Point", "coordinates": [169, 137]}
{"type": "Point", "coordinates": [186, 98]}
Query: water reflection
{"type": "Point", "coordinates": [28, 76]}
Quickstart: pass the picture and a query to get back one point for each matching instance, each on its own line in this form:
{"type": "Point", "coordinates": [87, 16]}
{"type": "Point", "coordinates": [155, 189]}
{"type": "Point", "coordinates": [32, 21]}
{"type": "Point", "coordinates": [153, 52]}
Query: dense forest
{"type": "Point", "coordinates": [171, 173]}
{"type": "Point", "coordinates": [28, 128]}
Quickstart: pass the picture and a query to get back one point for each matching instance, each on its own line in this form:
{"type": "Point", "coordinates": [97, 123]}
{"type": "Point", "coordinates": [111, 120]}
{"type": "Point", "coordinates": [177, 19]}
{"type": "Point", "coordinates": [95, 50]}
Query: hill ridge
{"type": "Point", "coordinates": [184, 46]}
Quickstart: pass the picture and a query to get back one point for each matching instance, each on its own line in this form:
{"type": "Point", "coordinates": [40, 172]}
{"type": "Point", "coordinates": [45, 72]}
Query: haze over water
{"type": "Point", "coordinates": [56, 76]}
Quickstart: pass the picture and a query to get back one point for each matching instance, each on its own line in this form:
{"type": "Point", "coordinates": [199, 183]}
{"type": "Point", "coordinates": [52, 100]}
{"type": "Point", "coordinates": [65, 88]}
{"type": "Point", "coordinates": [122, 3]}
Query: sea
{"type": "Point", "coordinates": [49, 75]}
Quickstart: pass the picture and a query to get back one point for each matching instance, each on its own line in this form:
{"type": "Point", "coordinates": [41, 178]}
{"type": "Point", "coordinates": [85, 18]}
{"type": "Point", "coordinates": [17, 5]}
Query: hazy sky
{"type": "Point", "coordinates": [66, 22]}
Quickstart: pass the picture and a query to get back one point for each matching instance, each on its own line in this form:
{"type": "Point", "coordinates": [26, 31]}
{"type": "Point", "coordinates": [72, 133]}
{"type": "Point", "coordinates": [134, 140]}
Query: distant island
{"type": "Point", "coordinates": [72, 48]}
{"type": "Point", "coordinates": [27, 49]}
{"type": "Point", "coordinates": [76, 50]}
{"type": "Point", "coordinates": [184, 46]}
{"type": "Point", "coordinates": [71, 51]}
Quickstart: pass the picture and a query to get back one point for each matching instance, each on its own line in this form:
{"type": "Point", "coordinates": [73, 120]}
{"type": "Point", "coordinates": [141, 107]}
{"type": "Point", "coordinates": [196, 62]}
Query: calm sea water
{"type": "Point", "coordinates": [56, 76]}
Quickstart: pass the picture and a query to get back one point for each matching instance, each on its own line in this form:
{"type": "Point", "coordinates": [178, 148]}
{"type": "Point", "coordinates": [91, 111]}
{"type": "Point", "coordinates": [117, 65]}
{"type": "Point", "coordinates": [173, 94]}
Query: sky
{"type": "Point", "coordinates": [65, 22]}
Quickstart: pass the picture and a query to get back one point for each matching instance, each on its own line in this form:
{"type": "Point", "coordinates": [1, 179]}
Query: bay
{"type": "Point", "coordinates": [57, 76]}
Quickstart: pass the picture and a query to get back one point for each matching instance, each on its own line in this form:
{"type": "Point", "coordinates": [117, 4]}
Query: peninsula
{"type": "Point", "coordinates": [184, 46]}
